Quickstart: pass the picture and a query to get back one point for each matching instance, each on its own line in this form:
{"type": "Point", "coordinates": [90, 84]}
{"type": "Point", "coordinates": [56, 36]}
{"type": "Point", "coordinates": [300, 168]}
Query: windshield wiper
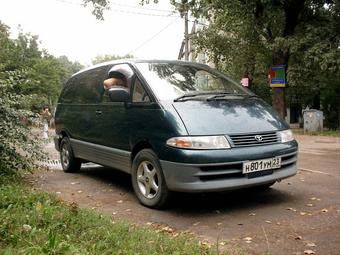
{"type": "Point", "coordinates": [215, 95]}
{"type": "Point", "coordinates": [188, 96]}
{"type": "Point", "coordinates": [185, 96]}
{"type": "Point", "coordinates": [223, 94]}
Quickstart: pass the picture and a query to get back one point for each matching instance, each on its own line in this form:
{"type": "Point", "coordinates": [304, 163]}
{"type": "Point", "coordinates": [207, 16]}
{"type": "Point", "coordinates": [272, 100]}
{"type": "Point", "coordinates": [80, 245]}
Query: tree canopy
{"type": "Point", "coordinates": [247, 37]}
{"type": "Point", "coordinates": [44, 73]}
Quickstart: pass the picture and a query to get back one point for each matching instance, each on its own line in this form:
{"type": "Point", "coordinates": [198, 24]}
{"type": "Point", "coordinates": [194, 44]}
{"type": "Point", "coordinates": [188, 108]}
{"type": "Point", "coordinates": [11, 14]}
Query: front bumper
{"type": "Point", "coordinates": [227, 175]}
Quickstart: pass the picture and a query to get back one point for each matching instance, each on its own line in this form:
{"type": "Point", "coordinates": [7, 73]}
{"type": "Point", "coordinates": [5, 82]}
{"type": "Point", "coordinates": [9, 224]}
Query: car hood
{"type": "Point", "coordinates": [230, 116]}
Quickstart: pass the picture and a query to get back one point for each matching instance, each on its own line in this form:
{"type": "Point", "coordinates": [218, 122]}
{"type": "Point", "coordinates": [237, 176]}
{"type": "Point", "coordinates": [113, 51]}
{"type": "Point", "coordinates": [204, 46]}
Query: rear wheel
{"type": "Point", "coordinates": [69, 163]}
{"type": "Point", "coordinates": [148, 180]}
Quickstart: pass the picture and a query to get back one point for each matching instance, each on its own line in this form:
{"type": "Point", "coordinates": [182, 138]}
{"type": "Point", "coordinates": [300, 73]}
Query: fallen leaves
{"type": "Point", "coordinates": [205, 243]}
{"type": "Point", "coordinates": [167, 229]}
{"type": "Point", "coordinates": [39, 206]}
{"type": "Point", "coordinates": [248, 239]}
{"type": "Point", "coordinates": [310, 244]}
{"type": "Point", "coordinates": [26, 228]}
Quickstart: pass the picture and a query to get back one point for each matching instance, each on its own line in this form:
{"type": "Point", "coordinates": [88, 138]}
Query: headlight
{"type": "Point", "coordinates": [286, 136]}
{"type": "Point", "coordinates": [199, 142]}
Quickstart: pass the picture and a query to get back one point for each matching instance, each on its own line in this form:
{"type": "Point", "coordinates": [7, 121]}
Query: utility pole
{"type": "Point", "coordinates": [182, 7]}
{"type": "Point", "coordinates": [186, 35]}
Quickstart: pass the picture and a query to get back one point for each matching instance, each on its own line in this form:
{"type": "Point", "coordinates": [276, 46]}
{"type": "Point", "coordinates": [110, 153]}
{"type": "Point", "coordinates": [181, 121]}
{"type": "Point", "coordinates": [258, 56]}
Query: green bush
{"type": "Point", "coordinates": [19, 148]}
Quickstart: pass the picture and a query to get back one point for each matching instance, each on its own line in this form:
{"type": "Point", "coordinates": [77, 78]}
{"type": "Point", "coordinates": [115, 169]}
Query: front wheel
{"type": "Point", "coordinates": [69, 163]}
{"type": "Point", "coordinates": [148, 180]}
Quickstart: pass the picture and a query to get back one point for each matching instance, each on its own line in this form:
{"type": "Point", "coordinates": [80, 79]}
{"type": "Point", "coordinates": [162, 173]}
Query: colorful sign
{"type": "Point", "coordinates": [277, 76]}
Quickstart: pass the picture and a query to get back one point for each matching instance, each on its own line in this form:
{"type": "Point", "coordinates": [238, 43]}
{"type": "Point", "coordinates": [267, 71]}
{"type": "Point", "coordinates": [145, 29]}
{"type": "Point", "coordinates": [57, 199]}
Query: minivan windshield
{"type": "Point", "coordinates": [172, 81]}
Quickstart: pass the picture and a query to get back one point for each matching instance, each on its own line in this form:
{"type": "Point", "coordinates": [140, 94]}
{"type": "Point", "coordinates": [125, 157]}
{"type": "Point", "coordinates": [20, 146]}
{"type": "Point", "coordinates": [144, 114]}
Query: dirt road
{"type": "Point", "coordinates": [300, 215]}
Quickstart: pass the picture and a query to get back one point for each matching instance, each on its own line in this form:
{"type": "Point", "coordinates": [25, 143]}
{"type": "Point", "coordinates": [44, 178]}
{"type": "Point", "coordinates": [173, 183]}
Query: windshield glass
{"type": "Point", "coordinates": [172, 80]}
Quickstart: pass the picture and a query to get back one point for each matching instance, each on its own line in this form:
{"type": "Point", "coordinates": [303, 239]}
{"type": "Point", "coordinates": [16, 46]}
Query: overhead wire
{"type": "Point", "coordinates": [152, 37]}
{"type": "Point", "coordinates": [140, 7]}
{"type": "Point", "coordinates": [170, 14]}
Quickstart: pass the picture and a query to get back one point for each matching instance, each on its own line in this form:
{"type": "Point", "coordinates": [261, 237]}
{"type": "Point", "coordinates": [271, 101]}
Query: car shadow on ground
{"type": "Point", "coordinates": [197, 203]}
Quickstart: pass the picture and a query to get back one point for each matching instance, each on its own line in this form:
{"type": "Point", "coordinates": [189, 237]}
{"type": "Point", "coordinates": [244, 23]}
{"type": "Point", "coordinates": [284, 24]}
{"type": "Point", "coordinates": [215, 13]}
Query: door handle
{"type": "Point", "coordinates": [98, 112]}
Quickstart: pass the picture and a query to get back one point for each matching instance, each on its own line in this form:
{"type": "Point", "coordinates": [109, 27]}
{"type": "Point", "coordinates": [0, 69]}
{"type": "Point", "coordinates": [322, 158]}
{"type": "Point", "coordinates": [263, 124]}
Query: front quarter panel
{"type": "Point", "coordinates": [154, 124]}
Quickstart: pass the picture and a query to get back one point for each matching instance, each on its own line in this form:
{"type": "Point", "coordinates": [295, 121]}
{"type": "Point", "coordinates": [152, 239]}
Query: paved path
{"type": "Point", "coordinates": [300, 215]}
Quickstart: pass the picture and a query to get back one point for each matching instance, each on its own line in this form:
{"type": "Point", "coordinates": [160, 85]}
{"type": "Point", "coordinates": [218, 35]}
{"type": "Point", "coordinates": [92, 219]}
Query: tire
{"type": "Point", "coordinates": [69, 163]}
{"type": "Point", "coordinates": [148, 180]}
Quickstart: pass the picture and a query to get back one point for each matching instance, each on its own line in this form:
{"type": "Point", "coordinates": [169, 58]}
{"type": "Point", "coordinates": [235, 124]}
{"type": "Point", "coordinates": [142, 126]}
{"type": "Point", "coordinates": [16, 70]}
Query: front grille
{"type": "Point", "coordinates": [254, 139]}
{"type": "Point", "coordinates": [233, 170]}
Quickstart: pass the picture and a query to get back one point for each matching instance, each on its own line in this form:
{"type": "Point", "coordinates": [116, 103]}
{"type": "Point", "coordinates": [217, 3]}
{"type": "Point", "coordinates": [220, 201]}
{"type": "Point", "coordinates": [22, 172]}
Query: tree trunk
{"type": "Point", "coordinates": [278, 94]}
{"type": "Point", "coordinates": [292, 11]}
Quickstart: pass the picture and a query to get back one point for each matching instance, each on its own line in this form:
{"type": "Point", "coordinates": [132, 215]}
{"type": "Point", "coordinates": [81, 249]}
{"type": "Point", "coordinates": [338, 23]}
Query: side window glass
{"type": "Point", "coordinates": [68, 92]}
{"type": "Point", "coordinates": [90, 88]}
{"type": "Point", "coordinates": [139, 94]}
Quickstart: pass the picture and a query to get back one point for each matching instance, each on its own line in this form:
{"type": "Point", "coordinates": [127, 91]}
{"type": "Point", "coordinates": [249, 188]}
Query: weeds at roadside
{"type": "Point", "coordinates": [38, 223]}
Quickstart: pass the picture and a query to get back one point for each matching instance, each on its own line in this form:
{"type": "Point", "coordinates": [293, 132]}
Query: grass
{"type": "Point", "coordinates": [325, 132]}
{"type": "Point", "coordinates": [34, 222]}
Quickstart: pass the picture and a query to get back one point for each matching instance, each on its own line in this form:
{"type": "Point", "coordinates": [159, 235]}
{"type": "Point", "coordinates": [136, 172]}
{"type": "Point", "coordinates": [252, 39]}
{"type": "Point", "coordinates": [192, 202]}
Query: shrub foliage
{"type": "Point", "coordinates": [19, 148]}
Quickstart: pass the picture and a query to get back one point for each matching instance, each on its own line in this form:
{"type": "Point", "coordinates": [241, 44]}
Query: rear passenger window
{"type": "Point", "coordinates": [67, 95]}
{"type": "Point", "coordinates": [90, 86]}
{"type": "Point", "coordinates": [139, 94]}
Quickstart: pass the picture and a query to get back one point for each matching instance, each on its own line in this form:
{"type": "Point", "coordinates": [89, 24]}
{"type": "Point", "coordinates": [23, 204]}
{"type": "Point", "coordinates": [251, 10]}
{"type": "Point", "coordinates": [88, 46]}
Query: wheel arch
{"type": "Point", "coordinates": [59, 137]}
{"type": "Point", "coordinates": [138, 147]}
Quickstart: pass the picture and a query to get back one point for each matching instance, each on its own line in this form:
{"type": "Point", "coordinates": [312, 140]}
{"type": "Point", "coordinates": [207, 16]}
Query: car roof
{"type": "Point", "coordinates": [135, 61]}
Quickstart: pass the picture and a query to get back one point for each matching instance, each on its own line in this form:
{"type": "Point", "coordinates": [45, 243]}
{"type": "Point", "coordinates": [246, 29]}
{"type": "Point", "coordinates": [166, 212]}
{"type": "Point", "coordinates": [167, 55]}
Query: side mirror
{"type": "Point", "coordinates": [119, 94]}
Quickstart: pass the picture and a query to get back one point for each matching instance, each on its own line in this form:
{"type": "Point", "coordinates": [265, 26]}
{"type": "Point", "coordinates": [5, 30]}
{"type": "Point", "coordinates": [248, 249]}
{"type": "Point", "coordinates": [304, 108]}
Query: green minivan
{"type": "Point", "coordinates": [175, 126]}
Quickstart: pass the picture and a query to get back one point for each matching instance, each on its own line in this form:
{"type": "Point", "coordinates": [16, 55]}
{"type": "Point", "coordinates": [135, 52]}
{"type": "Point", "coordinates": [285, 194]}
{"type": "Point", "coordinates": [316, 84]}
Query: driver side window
{"type": "Point", "coordinates": [139, 94]}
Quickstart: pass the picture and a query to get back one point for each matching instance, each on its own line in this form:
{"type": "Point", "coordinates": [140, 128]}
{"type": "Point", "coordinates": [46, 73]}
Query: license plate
{"type": "Point", "coordinates": [261, 165]}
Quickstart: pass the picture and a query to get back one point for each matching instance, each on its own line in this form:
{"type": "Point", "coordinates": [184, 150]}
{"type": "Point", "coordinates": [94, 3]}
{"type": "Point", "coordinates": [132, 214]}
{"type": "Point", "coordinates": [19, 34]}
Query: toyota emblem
{"type": "Point", "coordinates": [258, 138]}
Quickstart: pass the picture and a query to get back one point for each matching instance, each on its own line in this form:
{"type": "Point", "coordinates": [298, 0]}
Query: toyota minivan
{"type": "Point", "coordinates": [177, 126]}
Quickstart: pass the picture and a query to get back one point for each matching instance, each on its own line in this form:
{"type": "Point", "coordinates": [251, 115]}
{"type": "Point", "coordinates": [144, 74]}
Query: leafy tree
{"type": "Point", "coordinates": [247, 37]}
{"type": "Point", "coordinates": [46, 74]}
{"type": "Point", "coordinates": [29, 79]}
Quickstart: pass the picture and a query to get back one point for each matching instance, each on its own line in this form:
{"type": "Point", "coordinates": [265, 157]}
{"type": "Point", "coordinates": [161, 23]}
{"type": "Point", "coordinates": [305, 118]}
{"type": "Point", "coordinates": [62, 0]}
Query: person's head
{"type": "Point", "coordinates": [45, 108]}
{"type": "Point", "coordinates": [115, 79]}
